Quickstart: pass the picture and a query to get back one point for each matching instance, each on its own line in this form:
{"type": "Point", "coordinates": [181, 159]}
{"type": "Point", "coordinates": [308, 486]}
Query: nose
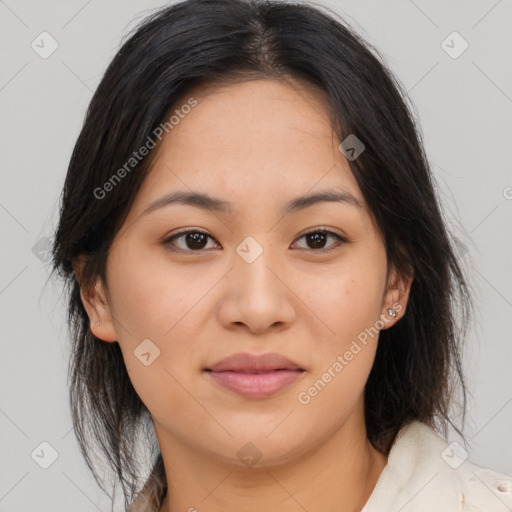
{"type": "Point", "coordinates": [256, 295]}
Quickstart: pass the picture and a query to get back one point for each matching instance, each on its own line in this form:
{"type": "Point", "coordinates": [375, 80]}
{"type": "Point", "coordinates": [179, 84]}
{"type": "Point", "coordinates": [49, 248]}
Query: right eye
{"type": "Point", "coordinates": [193, 240]}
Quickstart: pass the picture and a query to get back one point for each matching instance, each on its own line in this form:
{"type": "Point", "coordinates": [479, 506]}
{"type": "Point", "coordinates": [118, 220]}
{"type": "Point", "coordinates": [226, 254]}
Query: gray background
{"type": "Point", "coordinates": [464, 105]}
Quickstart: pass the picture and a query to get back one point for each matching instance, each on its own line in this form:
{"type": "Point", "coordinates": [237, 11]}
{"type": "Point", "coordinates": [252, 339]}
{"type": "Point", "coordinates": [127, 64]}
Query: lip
{"type": "Point", "coordinates": [251, 363]}
{"type": "Point", "coordinates": [255, 376]}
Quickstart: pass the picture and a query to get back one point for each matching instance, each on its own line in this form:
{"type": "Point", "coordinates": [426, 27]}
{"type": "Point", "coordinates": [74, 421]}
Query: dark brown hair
{"type": "Point", "coordinates": [417, 368]}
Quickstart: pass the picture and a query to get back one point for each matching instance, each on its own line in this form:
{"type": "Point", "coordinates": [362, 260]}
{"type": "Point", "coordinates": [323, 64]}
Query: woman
{"type": "Point", "coordinates": [261, 283]}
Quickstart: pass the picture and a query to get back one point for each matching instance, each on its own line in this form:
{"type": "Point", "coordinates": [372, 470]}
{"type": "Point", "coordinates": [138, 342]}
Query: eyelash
{"type": "Point", "coordinates": [340, 240]}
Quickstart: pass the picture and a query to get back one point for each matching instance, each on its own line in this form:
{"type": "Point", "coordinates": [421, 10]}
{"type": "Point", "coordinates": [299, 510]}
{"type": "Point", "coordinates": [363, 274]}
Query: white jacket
{"type": "Point", "coordinates": [423, 474]}
{"type": "Point", "coordinates": [426, 474]}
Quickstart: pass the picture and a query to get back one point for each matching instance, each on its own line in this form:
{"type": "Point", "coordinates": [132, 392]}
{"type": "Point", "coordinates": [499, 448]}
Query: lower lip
{"type": "Point", "coordinates": [256, 385]}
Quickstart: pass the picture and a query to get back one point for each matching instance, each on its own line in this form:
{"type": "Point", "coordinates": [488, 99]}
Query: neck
{"type": "Point", "coordinates": [338, 475]}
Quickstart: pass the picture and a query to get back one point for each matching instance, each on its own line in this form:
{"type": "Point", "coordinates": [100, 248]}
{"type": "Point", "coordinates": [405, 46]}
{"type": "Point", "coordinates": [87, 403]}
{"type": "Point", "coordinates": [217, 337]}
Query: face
{"type": "Point", "coordinates": [269, 272]}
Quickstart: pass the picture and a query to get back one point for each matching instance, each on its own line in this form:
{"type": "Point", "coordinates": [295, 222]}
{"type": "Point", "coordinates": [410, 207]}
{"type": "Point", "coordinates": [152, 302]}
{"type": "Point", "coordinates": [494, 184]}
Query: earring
{"type": "Point", "coordinates": [392, 313]}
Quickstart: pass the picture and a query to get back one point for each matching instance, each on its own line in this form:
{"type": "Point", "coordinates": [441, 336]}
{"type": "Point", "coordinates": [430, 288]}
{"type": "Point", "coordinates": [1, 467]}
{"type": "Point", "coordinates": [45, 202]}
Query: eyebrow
{"type": "Point", "coordinates": [207, 202]}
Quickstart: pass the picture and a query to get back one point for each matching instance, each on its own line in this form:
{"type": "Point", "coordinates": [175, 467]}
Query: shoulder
{"type": "Point", "coordinates": [482, 489]}
{"type": "Point", "coordinates": [154, 490]}
{"type": "Point", "coordinates": [149, 497]}
{"type": "Point", "coordinates": [425, 473]}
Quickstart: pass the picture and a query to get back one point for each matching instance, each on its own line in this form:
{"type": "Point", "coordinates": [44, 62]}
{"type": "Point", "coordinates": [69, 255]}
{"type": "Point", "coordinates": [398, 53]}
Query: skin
{"type": "Point", "coordinates": [257, 144]}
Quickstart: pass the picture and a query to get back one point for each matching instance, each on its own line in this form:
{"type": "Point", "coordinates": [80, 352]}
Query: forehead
{"type": "Point", "coordinates": [242, 115]}
{"type": "Point", "coordinates": [252, 142]}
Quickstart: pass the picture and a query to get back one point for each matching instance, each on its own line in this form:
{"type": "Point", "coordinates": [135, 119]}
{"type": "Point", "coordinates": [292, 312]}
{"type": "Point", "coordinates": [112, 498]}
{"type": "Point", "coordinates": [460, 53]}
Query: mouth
{"type": "Point", "coordinates": [258, 372]}
{"type": "Point", "coordinates": [254, 376]}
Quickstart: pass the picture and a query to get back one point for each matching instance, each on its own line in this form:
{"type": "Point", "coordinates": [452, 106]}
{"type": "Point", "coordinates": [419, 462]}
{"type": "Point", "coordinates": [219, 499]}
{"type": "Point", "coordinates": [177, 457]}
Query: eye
{"type": "Point", "coordinates": [194, 240]}
{"type": "Point", "coordinates": [318, 237]}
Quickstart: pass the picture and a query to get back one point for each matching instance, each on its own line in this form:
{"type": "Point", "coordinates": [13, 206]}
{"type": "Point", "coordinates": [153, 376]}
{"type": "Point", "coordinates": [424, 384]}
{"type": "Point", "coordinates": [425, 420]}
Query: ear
{"type": "Point", "coordinates": [396, 297]}
{"type": "Point", "coordinates": [96, 304]}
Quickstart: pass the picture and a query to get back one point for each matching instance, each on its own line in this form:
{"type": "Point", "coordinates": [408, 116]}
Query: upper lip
{"type": "Point", "coordinates": [245, 362]}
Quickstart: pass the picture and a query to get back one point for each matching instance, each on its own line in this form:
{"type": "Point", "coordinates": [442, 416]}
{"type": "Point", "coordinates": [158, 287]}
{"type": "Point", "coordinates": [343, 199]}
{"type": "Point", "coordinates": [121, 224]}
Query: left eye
{"type": "Point", "coordinates": [318, 238]}
{"type": "Point", "coordinates": [196, 240]}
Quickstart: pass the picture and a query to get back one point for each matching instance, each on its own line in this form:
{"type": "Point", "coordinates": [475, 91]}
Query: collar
{"type": "Point", "coordinates": [423, 474]}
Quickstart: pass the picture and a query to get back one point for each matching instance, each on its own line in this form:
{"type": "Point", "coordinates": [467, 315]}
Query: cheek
{"type": "Point", "coordinates": [348, 304]}
{"type": "Point", "coordinates": [347, 299]}
{"type": "Point", "coordinates": [151, 296]}
{"type": "Point", "coordinates": [162, 389]}
{"type": "Point", "coordinates": [152, 303]}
